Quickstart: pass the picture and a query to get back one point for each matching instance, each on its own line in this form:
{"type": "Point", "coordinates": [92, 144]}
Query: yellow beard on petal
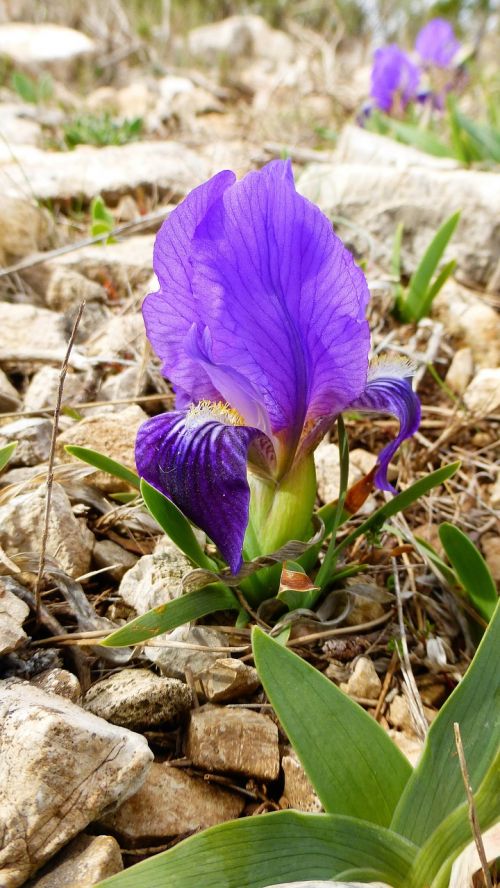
{"type": "Point", "coordinates": [212, 411]}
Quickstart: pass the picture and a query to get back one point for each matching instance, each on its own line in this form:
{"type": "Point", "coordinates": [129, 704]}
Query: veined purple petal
{"type": "Point", "coordinates": [389, 391]}
{"type": "Point", "coordinates": [393, 76]}
{"type": "Point", "coordinates": [283, 300]}
{"type": "Point", "coordinates": [436, 43]}
{"type": "Point", "coordinates": [170, 312]}
{"type": "Point", "coordinates": [201, 465]}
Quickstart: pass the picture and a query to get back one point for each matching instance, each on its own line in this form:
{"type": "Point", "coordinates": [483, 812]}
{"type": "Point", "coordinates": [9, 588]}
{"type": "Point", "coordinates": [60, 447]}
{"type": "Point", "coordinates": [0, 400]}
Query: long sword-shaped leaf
{"type": "Point", "coordinates": [175, 525]}
{"type": "Point", "coordinates": [471, 569]}
{"type": "Point", "coordinates": [399, 503]}
{"type": "Point", "coordinates": [353, 765]}
{"type": "Point", "coordinates": [434, 861]}
{"type": "Point", "coordinates": [172, 614]}
{"type": "Point", "coordinates": [435, 788]}
{"type": "Point", "coordinates": [416, 303]}
{"type": "Point", "coordinates": [104, 463]}
{"type": "Point", "coordinates": [260, 851]}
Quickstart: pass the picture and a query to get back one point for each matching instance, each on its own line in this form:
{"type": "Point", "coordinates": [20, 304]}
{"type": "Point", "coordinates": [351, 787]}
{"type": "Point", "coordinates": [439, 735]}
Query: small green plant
{"type": "Point", "coordinates": [100, 130]}
{"type": "Point", "coordinates": [36, 91]}
{"type": "Point", "coordinates": [101, 220]}
{"type": "Point", "coordinates": [383, 820]}
{"type": "Point", "coordinates": [415, 303]}
{"type": "Point", "coordinates": [472, 574]}
{"type": "Point", "coordinates": [6, 453]}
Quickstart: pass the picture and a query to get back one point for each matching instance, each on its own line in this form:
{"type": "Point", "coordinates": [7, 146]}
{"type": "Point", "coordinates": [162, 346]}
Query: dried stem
{"type": "Point", "coordinates": [476, 831]}
{"type": "Point", "coordinates": [50, 468]}
{"type": "Point", "coordinates": [413, 696]}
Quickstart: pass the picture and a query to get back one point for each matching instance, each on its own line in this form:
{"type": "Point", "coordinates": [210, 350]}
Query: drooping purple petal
{"type": "Point", "coordinates": [394, 78]}
{"type": "Point", "coordinates": [201, 465]}
{"type": "Point", "coordinates": [283, 300]}
{"type": "Point", "coordinates": [436, 43]}
{"type": "Point", "coordinates": [170, 312]}
{"type": "Point", "coordinates": [389, 391]}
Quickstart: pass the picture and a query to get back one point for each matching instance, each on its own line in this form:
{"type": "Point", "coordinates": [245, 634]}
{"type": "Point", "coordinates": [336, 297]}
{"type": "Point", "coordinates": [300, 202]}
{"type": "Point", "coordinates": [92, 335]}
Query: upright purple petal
{"type": "Point", "coordinates": [389, 391]}
{"type": "Point", "coordinates": [283, 300]}
{"type": "Point", "coordinates": [201, 465]}
{"type": "Point", "coordinates": [436, 43]}
{"type": "Point", "coordinates": [394, 78]}
{"type": "Point", "coordinates": [170, 312]}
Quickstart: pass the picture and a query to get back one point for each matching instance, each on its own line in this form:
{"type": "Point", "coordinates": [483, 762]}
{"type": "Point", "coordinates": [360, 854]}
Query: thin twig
{"type": "Point", "coordinates": [50, 468]}
{"type": "Point", "coordinates": [414, 701]}
{"type": "Point", "coordinates": [476, 831]}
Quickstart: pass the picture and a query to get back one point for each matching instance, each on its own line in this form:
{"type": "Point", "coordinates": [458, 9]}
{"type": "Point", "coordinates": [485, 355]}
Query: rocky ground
{"type": "Point", "coordinates": [93, 741]}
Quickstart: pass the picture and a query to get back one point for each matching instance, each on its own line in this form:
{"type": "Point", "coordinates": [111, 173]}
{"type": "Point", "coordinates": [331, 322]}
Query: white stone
{"type": "Point", "coordinates": [69, 541]}
{"type": "Point", "coordinates": [200, 647]}
{"type": "Point", "coordinates": [364, 681]}
{"type": "Point", "coordinates": [33, 438]}
{"type": "Point", "coordinates": [24, 228]}
{"type": "Point", "coordinates": [111, 171]}
{"type": "Point", "coordinates": [482, 396]}
{"type": "Point", "coordinates": [154, 580]}
{"type": "Point", "coordinates": [358, 145]}
{"type": "Point", "coordinates": [491, 549]}
{"type": "Point", "coordinates": [240, 35]}
{"type": "Point", "coordinates": [13, 613]}
{"type": "Point", "coordinates": [27, 44]}
{"type": "Point", "coordinates": [67, 288]}
{"type": "Point", "coordinates": [421, 198]}
{"type": "Point", "coordinates": [25, 326]}
{"type": "Point", "coordinates": [228, 679]}
{"type": "Point", "coordinates": [18, 127]}
{"type": "Point", "coordinates": [460, 371]}
{"type": "Point", "coordinates": [170, 803]}
{"type": "Point", "coordinates": [60, 769]}
{"type": "Point", "coordinates": [114, 557]}
{"type": "Point", "coordinates": [112, 434]}
{"type": "Point", "coordinates": [81, 864]}
{"type": "Point", "coordinates": [128, 264]}
{"type": "Point", "coordinates": [121, 336]}
{"type": "Point", "coordinates": [59, 681]}
{"type": "Point", "coordinates": [43, 389]}
{"type": "Point", "coordinates": [137, 698]}
{"type": "Point", "coordinates": [327, 462]}
{"type": "Point", "coordinates": [466, 316]}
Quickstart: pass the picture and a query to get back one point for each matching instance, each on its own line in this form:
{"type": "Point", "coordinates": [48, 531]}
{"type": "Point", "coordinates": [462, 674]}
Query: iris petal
{"type": "Point", "coordinates": [170, 312]}
{"type": "Point", "coordinates": [201, 465]}
{"type": "Point", "coordinates": [283, 299]}
{"type": "Point", "coordinates": [391, 393]}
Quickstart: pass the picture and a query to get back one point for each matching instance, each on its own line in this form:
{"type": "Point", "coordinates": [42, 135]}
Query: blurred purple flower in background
{"type": "Point", "coordinates": [260, 324]}
{"type": "Point", "coordinates": [394, 78]}
{"type": "Point", "coordinates": [436, 43]}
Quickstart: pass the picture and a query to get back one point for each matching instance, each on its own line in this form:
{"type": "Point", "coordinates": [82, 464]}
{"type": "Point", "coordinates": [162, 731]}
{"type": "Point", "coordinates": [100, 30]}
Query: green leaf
{"type": "Point", "coordinates": [279, 847]}
{"type": "Point", "coordinates": [417, 300]}
{"type": "Point", "coordinates": [471, 569]}
{"type": "Point", "coordinates": [434, 861]}
{"type": "Point", "coordinates": [172, 614]}
{"type": "Point", "coordinates": [6, 453]}
{"type": "Point", "coordinates": [484, 137]}
{"type": "Point", "coordinates": [418, 138]}
{"type": "Point", "coordinates": [399, 503]}
{"type": "Point", "coordinates": [104, 463]}
{"type": "Point", "coordinates": [396, 265]}
{"type": "Point", "coordinates": [353, 765]}
{"type": "Point", "coordinates": [435, 788]}
{"type": "Point", "coordinates": [175, 524]}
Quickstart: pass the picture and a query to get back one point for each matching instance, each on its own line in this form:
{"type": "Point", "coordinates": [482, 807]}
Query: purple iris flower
{"type": "Point", "coordinates": [394, 78]}
{"type": "Point", "coordinates": [260, 324]}
{"type": "Point", "coordinates": [436, 43]}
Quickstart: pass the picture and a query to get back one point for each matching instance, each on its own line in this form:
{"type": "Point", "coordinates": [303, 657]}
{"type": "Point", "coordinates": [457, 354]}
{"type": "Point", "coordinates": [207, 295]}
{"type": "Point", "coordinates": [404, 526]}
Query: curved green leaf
{"type": "Point", "coordinates": [353, 765]}
{"type": "Point", "coordinates": [104, 463]}
{"type": "Point", "coordinates": [434, 861]}
{"type": "Point", "coordinates": [471, 569]}
{"type": "Point", "coordinates": [260, 851]}
{"type": "Point", "coordinates": [417, 300]}
{"type": "Point", "coordinates": [435, 788]}
{"type": "Point", "coordinates": [6, 453]}
{"type": "Point", "coordinates": [175, 524]}
{"type": "Point", "coordinates": [172, 614]}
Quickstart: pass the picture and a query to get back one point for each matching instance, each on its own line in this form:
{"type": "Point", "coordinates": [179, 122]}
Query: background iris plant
{"type": "Point", "coordinates": [260, 324]}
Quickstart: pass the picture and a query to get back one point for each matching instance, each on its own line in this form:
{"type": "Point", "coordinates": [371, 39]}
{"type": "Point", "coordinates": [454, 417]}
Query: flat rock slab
{"type": "Point", "coordinates": [298, 790]}
{"type": "Point", "coordinates": [238, 741]}
{"type": "Point", "coordinates": [227, 679]}
{"type": "Point", "coordinates": [137, 698]}
{"type": "Point", "coordinates": [60, 769]}
{"type": "Point", "coordinates": [111, 171]}
{"type": "Point", "coordinates": [26, 326]}
{"type": "Point", "coordinates": [170, 803]}
{"type": "Point", "coordinates": [81, 864]}
{"type": "Point", "coordinates": [377, 197]}
{"type": "Point", "coordinates": [27, 44]}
